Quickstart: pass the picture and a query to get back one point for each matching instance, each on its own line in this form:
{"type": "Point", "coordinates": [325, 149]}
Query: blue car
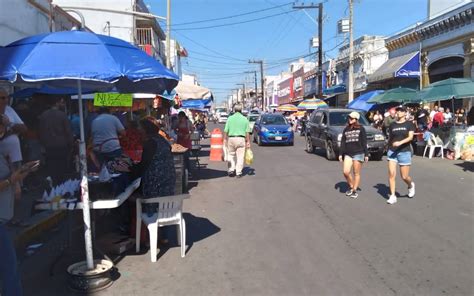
{"type": "Point", "coordinates": [273, 129]}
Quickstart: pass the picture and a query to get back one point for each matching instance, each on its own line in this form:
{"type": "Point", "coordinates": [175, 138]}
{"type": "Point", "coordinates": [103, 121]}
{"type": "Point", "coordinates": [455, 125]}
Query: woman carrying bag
{"type": "Point", "coordinates": [353, 152]}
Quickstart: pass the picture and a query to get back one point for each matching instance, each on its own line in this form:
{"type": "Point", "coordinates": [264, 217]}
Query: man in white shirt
{"type": "Point", "coordinates": [448, 116]}
{"type": "Point", "coordinates": [433, 112]}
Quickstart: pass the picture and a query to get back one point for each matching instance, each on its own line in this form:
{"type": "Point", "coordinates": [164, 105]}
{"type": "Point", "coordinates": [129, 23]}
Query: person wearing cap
{"type": "Point", "coordinates": [237, 137]}
{"type": "Point", "coordinates": [353, 152]}
{"type": "Point", "coordinates": [400, 136]}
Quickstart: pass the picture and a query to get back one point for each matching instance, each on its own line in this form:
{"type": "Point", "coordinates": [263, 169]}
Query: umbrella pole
{"type": "Point", "coordinates": [85, 186]}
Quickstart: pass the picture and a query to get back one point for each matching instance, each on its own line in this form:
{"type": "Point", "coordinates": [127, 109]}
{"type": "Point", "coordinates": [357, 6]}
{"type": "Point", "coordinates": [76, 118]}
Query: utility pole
{"type": "Point", "coordinates": [320, 42]}
{"type": "Point", "coordinates": [255, 79]}
{"type": "Point", "coordinates": [262, 82]}
{"type": "Point", "coordinates": [350, 89]}
{"type": "Point", "coordinates": [168, 36]}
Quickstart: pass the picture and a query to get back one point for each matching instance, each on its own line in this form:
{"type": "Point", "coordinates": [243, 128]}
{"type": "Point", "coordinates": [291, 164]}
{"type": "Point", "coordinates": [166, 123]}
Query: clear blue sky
{"type": "Point", "coordinates": [219, 55]}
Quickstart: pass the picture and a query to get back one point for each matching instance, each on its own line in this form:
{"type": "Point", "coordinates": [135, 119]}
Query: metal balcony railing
{"type": "Point", "coordinates": [144, 36]}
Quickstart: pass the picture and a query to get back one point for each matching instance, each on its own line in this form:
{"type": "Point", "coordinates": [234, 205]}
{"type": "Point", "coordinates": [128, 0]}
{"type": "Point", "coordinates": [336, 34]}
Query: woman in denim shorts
{"type": "Point", "coordinates": [353, 152]}
{"type": "Point", "coordinates": [400, 136]}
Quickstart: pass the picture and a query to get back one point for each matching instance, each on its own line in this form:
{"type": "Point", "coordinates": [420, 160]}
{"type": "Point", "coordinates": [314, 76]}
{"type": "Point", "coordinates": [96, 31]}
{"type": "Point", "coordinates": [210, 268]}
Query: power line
{"type": "Point", "coordinates": [208, 55]}
{"type": "Point", "coordinates": [216, 62]}
{"type": "Point", "coordinates": [232, 16]}
{"type": "Point", "coordinates": [297, 20]}
{"type": "Point", "coordinates": [211, 50]}
{"type": "Point", "coordinates": [236, 23]}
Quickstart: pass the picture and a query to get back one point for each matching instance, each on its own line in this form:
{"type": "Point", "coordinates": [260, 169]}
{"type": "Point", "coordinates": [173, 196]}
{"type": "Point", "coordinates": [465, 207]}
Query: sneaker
{"type": "Point", "coordinates": [411, 190]}
{"type": "Point", "coordinates": [239, 176]}
{"type": "Point", "coordinates": [354, 194]}
{"type": "Point", "coordinates": [392, 199]}
{"type": "Point", "coordinates": [232, 174]}
{"type": "Point", "coordinates": [349, 192]}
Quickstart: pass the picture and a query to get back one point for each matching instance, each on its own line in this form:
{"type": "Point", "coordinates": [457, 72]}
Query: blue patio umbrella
{"type": "Point", "coordinates": [360, 102]}
{"type": "Point", "coordinates": [83, 60]}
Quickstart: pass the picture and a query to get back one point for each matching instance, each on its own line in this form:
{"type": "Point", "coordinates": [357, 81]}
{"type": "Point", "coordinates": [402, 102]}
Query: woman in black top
{"type": "Point", "coordinates": [353, 152]}
{"type": "Point", "coordinates": [399, 153]}
{"type": "Point", "coordinates": [157, 165]}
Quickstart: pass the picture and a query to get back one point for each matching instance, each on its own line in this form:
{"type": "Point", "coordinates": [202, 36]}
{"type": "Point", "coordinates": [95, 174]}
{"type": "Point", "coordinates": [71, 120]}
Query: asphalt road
{"type": "Point", "coordinates": [286, 228]}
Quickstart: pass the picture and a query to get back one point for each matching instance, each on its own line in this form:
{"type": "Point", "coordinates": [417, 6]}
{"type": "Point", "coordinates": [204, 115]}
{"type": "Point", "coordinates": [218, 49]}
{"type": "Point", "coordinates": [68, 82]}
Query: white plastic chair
{"type": "Point", "coordinates": [169, 212]}
{"type": "Point", "coordinates": [433, 143]}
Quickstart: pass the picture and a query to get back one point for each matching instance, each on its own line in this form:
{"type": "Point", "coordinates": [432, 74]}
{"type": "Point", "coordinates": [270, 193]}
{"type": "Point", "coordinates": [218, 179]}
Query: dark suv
{"type": "Point", "coordinates": [324, 130]}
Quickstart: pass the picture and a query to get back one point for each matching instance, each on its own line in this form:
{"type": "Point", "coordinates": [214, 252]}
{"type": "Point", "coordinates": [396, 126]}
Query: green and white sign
{"type": "Point", "coordinates": [113, 100]}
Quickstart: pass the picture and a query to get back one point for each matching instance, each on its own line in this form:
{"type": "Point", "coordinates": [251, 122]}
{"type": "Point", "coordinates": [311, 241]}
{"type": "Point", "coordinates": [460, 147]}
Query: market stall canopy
{"type": "Point", "coordinates": [187, 91]}
{"type": "Point", "coordinates": [407, 66]}
{"type": "Point", "coordinates": [60, 59]}
{"type": "Point", "coordinates": [196, 104]}
{"type": "Point", "coordinates": [335, 89]}
{"type": "Point", "coordinates": [287, 108]}
{"type": "Point", "coordinates": [400, 95]}
{"type": "Point", "coordinates": [452, 88]}
{"type": "Point", "coordinates": [312, 104]}
{"type": "Point", "coordinates": [360, 103]}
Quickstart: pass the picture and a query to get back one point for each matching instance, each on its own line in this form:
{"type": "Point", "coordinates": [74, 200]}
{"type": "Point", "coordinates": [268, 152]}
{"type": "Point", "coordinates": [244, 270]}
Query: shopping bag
{"type": "Point", "coordinates": [248, 157]}
{"type": "Point", "coordinates": [104, 175]}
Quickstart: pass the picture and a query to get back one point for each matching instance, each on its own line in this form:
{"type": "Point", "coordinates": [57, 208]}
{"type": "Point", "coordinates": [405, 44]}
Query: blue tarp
{"type": "Point", "coordinates": [360, 102]}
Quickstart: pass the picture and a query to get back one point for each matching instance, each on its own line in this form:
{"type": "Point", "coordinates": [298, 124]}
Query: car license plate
{"type": "Point", "coordinates": [278, 138]}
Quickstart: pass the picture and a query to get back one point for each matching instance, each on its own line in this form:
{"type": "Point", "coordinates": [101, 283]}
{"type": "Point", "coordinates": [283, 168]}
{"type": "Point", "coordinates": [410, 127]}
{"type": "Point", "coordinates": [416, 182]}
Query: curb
{"type": "Point", "coordinates": [42, 223]}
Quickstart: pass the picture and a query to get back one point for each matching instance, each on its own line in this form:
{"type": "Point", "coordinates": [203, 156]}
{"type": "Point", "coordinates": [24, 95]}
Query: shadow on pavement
{"type": "Point", "coordinates": [248, 171]}
{"type": "Point", "coordinates": [466, 166]}
{"type": "Point", "coordinates": [384, 191]}
{"type": "Point", "coordinates": [342, 187]}
{"type": "Point", "coordinates": [207, 173]}
{"type": "Point", "coordinates": [197, 229]}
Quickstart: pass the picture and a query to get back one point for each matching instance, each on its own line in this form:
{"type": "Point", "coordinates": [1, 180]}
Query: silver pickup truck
{"type": "Point", "coordinates": [324, 130]}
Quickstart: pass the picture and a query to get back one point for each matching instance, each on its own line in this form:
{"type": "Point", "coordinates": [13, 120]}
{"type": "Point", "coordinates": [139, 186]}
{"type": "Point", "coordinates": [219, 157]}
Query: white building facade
{"type": "Point", "coordinates": [23, 18]}
{"type": "Point", "coordinates": [129, 20]}
{"type": "Point", "coordinates": [369, 54]}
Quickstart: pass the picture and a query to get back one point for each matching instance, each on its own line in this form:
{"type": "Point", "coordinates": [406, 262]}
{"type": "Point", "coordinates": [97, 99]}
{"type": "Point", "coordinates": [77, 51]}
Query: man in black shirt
{"type": "Point", "coordinates": [401, 134]}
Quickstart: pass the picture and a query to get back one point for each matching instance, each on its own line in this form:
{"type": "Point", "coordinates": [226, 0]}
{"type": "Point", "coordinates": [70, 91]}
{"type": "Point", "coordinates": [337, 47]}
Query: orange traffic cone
{"type": "Point", "coordinates": [216, 145]}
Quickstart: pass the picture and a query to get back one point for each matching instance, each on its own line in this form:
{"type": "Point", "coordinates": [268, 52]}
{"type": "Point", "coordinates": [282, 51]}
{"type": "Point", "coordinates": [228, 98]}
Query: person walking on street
{"type": "Point", "coordinates": [353, 152]}
{"type": "Point", "coordinates": [401, 134]}
{"type": "Point", "coordinates": [236, 135]}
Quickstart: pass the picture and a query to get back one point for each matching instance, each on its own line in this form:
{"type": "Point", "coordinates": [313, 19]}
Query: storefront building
{"type": "Point", "coordinates": [369, 54]}
{"type": "Point", "coordinates": [298, 86]}
{"type": "Point", "coordinates": [440, 48]}
{"type": "Point", "coordinates": [285, 91]}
